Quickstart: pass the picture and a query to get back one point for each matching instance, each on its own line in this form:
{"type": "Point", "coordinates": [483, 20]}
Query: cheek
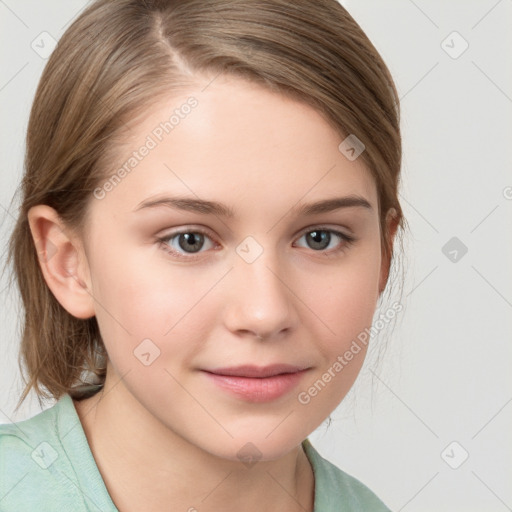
{"type": "Point", "coordinates": [137, 301]}
{"type": "Point", "coordinates": [345, 306]}
{"type": "Point", "coordinates": [344, 299]}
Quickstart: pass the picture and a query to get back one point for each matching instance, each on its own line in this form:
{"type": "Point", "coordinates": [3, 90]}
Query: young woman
{"type": "Point", "coordinates": [210, 202]}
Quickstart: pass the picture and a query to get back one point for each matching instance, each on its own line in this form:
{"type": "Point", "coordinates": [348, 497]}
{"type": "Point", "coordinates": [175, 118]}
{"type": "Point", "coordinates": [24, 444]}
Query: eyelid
{"type": "Point", "coordinates": [323, 227]}
{"type": "Point", "coordinates": [187, 229]}
{"type": "Point", "coordinates": [348, 239]}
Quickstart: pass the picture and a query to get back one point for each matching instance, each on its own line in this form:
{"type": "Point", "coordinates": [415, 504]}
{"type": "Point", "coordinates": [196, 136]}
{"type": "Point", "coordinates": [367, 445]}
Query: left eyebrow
{"type": "Point", "coordinates": [329, 205]}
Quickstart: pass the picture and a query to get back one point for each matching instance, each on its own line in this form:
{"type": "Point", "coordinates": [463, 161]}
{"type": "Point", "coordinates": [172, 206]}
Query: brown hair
{"type": "Point", "coordinates": [117, 59]}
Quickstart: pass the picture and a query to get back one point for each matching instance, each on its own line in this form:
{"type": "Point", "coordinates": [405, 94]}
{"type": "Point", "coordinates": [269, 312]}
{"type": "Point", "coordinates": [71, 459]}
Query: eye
{"type": "Point", "coordinates": [186, 242]}
{"type": "Point", "coordinates": [320, 239]}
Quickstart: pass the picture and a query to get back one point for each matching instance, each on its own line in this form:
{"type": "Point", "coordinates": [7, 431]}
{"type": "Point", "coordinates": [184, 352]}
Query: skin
{"type": "Point", "coordinates": [163, 433]}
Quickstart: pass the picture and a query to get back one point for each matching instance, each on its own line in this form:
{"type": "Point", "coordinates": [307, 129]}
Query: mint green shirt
{"type": "Point", "coordinates": [46, 465]}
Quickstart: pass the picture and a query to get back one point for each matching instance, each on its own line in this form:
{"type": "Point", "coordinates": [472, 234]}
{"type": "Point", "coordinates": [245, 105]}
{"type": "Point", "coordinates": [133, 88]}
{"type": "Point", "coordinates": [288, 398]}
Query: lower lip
{"type": "Point", "coordinates": [258, 390]}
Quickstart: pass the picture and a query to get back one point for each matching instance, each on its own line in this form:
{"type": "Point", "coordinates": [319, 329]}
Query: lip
{"type": "Point", "coordinates": [257, 383]}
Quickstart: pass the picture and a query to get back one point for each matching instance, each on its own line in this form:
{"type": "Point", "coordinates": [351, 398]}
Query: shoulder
{"type": "Point", "coordinates": [33, 464]}
{"type": "Point", "coordinates": [23, 441]}
{"type": "Point", "coordinates": [336, 490]}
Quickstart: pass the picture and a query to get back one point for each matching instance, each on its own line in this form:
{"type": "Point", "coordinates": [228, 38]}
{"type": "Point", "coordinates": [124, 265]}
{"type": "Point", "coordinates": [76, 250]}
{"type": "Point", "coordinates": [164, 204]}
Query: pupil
{"type": "Point", "coordinates": [191, 241]}
{"type": "Point", "coordinates": [320, 239]}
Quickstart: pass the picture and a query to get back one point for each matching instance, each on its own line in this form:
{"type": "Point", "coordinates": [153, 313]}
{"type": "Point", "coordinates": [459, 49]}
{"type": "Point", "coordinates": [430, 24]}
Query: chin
{"type": "Point", "coordinates": [259, 439]}
{"type": "Point", "coordinates": [252, 451]}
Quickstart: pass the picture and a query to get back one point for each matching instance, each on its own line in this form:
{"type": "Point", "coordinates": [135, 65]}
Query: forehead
{"type": "Point", "coordinates": [236, 142]}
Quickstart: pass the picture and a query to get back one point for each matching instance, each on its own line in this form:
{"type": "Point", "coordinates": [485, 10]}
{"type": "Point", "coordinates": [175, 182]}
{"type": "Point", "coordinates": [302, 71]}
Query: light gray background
{"type": "Point", "coordinates": [446, 373]}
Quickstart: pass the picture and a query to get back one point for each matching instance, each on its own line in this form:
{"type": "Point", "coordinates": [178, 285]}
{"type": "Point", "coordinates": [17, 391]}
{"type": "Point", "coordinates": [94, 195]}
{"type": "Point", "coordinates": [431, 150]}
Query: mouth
{"type": "Point", "coordinates": [257, 383]}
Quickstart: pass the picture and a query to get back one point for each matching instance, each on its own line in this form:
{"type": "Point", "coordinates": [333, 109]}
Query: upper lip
{"type": "Point", "coordinates": [257, 371]}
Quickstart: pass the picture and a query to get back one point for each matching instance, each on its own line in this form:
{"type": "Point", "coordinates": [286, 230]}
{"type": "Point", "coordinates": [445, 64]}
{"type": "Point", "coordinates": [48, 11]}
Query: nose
{"type": "Point", "coordinates": [260, 301]}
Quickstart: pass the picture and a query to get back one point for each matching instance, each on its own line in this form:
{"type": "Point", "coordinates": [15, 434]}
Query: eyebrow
{"type": "Point", "coordinates": [205, 207]}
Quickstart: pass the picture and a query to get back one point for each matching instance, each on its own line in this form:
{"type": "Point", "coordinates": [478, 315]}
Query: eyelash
{"type": "Point", "coordinates": [347, 239]}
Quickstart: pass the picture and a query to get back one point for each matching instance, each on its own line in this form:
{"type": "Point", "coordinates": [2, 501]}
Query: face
{"type": "Point", "coordinates": [222, 317]}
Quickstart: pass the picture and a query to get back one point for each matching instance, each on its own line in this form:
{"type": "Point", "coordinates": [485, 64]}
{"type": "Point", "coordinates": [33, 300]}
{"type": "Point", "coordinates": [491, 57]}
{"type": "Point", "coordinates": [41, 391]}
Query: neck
{"type": "Point", "coordinates": [147, 466]}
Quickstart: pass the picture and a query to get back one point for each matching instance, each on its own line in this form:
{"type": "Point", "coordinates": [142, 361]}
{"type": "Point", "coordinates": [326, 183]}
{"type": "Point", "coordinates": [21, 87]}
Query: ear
{"type": "Point", "coordinates": [62, 261]}
{"type": "Point", "coordinates": [391, 228]}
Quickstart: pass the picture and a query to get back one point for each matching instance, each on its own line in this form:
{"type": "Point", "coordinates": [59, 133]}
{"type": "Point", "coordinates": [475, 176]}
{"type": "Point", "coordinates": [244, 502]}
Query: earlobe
{"type": "Point", "coordinates": [62, 261]}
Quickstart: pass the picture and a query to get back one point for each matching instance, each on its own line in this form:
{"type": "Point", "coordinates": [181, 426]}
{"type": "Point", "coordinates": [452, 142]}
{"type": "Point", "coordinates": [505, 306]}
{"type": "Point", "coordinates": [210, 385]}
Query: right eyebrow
{"type": "Point", "coordinates": [188, 204]}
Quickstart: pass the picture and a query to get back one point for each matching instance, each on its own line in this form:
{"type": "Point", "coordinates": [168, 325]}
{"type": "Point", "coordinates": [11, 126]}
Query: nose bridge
{"type": "Point", "coordinates": [260, 300]}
